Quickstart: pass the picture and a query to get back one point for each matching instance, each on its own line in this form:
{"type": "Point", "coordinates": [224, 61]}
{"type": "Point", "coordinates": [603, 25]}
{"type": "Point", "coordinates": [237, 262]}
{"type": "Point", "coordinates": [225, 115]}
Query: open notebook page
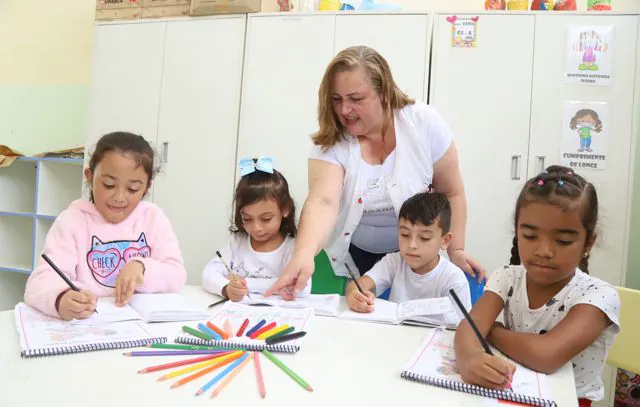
{"type": "Point", "coordinates": [166, 308]}
{"type": "Point", "coordinates": [108, 312]}
{"type": "Point", "coordinates": [328, 305]}
{"type": "Point", "coordinates": [383, 312]}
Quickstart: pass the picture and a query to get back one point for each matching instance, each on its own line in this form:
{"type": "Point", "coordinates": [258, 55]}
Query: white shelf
{"type": "Point", "coordinates": [42, 228]}
{"type": "Point", "coordinates": [16, 241]}
{"type": "Point", "coordinates": [18, 186]}
{"type": "Point", "coordinates": [58, 186]}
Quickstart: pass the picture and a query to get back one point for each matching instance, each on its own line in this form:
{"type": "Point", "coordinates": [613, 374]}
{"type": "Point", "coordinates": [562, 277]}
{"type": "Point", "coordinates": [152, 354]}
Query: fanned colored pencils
{"type": "Point", "coordinates": [171, 365]}
{"type": "Point", "coordinates": [175, 352]}
{"type": "Point", "coordinates": [225, 360]}
{"type": "Point", "coordinates": [178, 346]}
{"type": "Point", "coordinates": [288, 371]}
{"type": "Point", "coordinates": [233, 374]}
{"type": "Point", "coordinates": [260, 379]}
{"type": "Point", "coordinates": [195, 367]}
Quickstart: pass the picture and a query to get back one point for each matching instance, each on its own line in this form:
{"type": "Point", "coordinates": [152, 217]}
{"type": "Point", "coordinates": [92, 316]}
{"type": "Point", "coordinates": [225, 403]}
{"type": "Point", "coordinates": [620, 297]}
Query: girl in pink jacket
{"type": "Point", "coordinates": [114, 244]}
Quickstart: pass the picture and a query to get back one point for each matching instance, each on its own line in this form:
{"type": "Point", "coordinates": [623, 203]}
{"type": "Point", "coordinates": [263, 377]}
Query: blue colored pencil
{"type": "Point", "coordinates": [209, 332]}
{"type": "Point", "coordinates": [221, 375]}
{"type": "Point", "coordinates": [256, 327]}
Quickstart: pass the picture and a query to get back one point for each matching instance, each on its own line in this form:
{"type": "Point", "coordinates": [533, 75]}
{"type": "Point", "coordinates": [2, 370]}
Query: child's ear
{"type": "Point", "coordinates": [446, 240]}
{"type": "Point", "coordinates": [588, 245]}
{"type": "Point", "coordinates": [286, 212]}
{"type": "Point", "coordinates": [88, 176]}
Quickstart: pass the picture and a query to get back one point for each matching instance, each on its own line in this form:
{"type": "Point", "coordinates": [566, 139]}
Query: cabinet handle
{"type": "Point", "coordinates": [165, 152]}
{"type": "Point", "coordinates": [515, 167]}
{"type": "Point", "coordinates": [540, 159]}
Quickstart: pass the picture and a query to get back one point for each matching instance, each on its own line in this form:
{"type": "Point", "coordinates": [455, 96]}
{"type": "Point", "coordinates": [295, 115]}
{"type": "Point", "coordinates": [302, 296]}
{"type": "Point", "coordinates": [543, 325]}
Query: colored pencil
{"type": "Point", "coordinates": [174, 352]}
{"type": "Point", "coordinates": [231, 375]}
{"type": "Point", "coordinates": [196, 333]}
{"type": "Point", "coordinates": [203, 328]}
{"type": "Point", "coordinates": [62, 275]}
{"type": "Point", "coordinates": [282, 333]}
{"type": "Point", "coordinates": [355, 280]}
{"type": "Point", "coordinates": [288, 371]}
{"type": "Point", "coordinates": [229, 359]}
{"type": "Point", "coordinates": [178, 346]}
{"type": "Point", "coordinates": [272, 331]}
{"type": "Point", "coordinates": [222, 374]}
{"type": "Point", "coordinates": [197, 366]}
{"type": "Point", "coordinates": [260, 379]}
{"type": "Point", "coordinates": [217, 330]}
{"type": "Point", "coordinates": [265, 328]}
{"type": "Point", "coordinates": [232, 275]}
{"type": "Point", "coordinates": [256, 327]}
{"type": "Point", "coordinates": [228, 328]}
{"type": "Point", "coordinates": [243, 327]}
{"type": "Point", "coordinates": [285, 338]}
{"type": "Point", "coordinates": [171, 365]}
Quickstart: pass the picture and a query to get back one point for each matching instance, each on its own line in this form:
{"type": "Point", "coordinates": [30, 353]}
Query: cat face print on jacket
{"type": "Point", "coordinates": [106, 259]}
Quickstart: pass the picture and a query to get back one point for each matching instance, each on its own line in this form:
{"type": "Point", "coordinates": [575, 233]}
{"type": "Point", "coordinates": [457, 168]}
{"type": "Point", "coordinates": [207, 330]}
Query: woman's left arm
{"type": "Point", "coordinates": [448, 180]}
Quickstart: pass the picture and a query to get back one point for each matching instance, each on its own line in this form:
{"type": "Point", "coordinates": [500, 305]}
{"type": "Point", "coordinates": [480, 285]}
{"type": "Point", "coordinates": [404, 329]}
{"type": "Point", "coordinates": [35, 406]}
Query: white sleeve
{"type": "Point", "coordinates": [215, 275]}
{"type": "Point", "coordinates": [440, 136]}
{"type": "Point", "coordinates": [500, 282]}
{"type": "Point", "coordinates": [604, 297]}
{"type": "Point", "coordinates": [383, 272]}
{"type": "Point", "coordinates": [331, 155]}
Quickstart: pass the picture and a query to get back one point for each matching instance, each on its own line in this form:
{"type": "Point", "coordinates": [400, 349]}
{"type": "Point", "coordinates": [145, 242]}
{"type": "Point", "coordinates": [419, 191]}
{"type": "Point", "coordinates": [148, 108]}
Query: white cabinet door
{"type": "Point", "coordinates": [198, 131]}
{"type": "Point", "coordinates": [126, 75]}
{"type": "Point", "coordinates": [284, 62]}
{"type": "Point", "coordinates": [484, 94]}
{"type": "Point", "coordinates": [549, 95]}
{"type": "Point", "coordinates": [400, 38]}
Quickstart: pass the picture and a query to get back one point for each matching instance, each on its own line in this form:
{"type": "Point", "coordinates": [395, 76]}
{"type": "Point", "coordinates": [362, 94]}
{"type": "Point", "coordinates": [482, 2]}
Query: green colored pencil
{"type": "Point", "coordinates": [281, 333]}
{"type": "Point", "coordinates": [288, 371]}
{"type": "Point", "coordinates": [177, 346]}
{"type": "Point", "coordinates": [197, 333]}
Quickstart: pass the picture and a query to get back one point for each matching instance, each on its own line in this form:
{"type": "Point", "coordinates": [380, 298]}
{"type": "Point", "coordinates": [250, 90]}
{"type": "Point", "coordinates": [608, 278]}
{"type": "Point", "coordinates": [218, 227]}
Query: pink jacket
{"type": "Point", "coordinates": [92, 251]}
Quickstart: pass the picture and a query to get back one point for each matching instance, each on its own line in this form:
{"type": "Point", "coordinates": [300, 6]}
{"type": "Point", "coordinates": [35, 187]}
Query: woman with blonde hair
{"type": "Point", "coordinates": [375, 148]}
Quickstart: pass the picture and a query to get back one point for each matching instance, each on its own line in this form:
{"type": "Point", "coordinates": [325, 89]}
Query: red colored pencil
{"type": "Point", "coordinates": [263, 329]}
{"type": "Point", "coordinates": [180, 363]}
{"type": "Point", "coordinates": [243, 327]}
{"type": "Point", "coordinates": [217, 330]}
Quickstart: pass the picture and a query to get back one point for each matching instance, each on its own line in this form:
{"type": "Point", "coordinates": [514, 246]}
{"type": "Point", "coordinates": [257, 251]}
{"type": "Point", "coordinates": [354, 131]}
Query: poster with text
{"type": "Point", "coordinates": [588, 55]}
{"type": "Point", "coordinates": [464, 31]}
{"type": "Point", "coordinates": [585, 135]}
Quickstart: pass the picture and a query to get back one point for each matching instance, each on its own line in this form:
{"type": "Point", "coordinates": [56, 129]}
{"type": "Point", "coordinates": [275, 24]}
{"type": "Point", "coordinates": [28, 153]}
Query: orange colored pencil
{"type": "Point", "coordinates": [228, 328]}
{"type": "Point", "coordinates": [217, 330]}
{"type": "Point", "coordinates": [181, 363]}
{"type": "Point", "coordinates": [256, 362]}
{"type": "Point", "coordinates": [230, 377]}
{"type": "Point", "coordinates": [207, 369]}
{"type": "Point", "coordinates": [195, 367]}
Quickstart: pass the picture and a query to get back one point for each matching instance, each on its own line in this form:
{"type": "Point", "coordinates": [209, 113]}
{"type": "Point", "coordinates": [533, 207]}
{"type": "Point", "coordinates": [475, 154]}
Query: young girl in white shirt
{"type": "Point", "coordinates": [554, 312]}
{"type": "Point", "coordinates": [262, 235]}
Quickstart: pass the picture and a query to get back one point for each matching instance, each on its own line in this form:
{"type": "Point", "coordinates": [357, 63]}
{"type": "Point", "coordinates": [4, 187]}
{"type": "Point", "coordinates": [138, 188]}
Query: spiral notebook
{"type": "Point", "coordinates": [433, 363]}
{"type": "Point", "coordinates": [322, 304]}
{"type": "Point", "coordinates": [236, 314]}
{"type": "Point", "coordinates": [42, 335]}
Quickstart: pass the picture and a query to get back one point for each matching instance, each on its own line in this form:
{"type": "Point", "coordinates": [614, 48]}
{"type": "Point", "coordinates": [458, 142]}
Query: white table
{"type": "Point", "coordinates": [347, 362]}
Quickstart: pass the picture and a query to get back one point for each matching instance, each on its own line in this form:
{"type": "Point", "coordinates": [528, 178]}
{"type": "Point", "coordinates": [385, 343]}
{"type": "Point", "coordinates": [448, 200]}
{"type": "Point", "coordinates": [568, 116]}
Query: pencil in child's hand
{"type": "Point", "coordinates": [484, 344]}
{"type": "Point", "coordinates": [232, 275]}
{"type": "Point", "coordinates": [355, 280]}
{"type": "Point", "coordinates": [62, 275]}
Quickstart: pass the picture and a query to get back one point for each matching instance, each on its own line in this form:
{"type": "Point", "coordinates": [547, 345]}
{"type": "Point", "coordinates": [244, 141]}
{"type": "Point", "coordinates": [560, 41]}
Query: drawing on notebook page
{"type": "Point", "coordinates": [71, 333]}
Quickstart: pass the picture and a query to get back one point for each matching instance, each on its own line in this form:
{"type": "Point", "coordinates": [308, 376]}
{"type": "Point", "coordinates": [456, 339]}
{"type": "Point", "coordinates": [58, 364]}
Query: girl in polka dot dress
{"type": "Point", "coordinates": [554, 311]}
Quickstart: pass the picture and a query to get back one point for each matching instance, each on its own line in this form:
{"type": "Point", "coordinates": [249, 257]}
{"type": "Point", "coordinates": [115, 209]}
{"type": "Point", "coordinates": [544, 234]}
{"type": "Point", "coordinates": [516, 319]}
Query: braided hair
{"type": "Point", "coordinates": [562, 187]}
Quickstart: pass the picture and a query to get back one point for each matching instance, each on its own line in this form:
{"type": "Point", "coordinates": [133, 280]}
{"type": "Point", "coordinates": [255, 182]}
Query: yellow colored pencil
{"type": "Point", "coordinates": [230, 377]}
{"type": "Point", "coordinates": [197, 366]}
{"type": "Point", "coordinates": [273, 331]}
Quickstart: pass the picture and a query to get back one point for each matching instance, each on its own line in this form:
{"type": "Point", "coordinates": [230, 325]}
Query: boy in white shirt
{"type": "Point", "coordinates": [417, 271]}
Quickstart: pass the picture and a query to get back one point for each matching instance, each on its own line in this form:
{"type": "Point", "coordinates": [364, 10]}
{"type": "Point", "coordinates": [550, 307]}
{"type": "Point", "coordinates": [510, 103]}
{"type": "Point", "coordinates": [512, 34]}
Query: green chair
{"type": "Point", "coordinates": [324, 280]}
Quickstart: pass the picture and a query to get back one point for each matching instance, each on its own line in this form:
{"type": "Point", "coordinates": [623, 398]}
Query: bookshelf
{"type": "Point", "coordinates": [34, 191]}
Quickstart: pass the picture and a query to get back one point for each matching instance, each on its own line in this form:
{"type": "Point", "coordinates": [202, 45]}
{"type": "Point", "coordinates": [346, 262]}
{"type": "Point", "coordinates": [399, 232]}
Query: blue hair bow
{"type": "Point", "coordinates": [248, 165]}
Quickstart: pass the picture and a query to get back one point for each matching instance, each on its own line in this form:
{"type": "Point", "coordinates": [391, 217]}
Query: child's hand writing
{"type": "Point", "coordinates": [360, 302]}
{"type": "Point", "coordinates": [236, 289]}
{"type": "Point", "coordinates": [486, 370]}
{"type": "Point", "coordinates": [76, 304]}
{"type": "Point", "coordinates": [131, 276]}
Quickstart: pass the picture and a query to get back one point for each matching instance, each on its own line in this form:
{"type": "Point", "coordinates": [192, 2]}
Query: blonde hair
{"type": "Point", "coordinates": [379, 74]}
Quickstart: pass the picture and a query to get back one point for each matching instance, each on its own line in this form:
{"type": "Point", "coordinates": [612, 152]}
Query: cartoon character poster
{"type": "Point", "coordinates": [589, 55]}
{"type": "Point", "coordinates": [585, 135]}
